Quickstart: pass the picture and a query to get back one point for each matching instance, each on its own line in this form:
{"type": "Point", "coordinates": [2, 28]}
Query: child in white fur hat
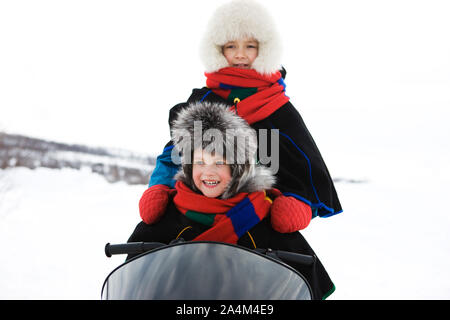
{"type": "Point", "coordinates": [241, 52]}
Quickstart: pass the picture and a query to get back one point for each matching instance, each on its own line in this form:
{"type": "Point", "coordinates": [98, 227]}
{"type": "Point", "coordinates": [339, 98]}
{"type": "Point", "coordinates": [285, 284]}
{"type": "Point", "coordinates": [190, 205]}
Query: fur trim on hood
{"type": "Point", "coordinates": [238, 19]}
{"type": "Point", "coordinates": [216, 129]}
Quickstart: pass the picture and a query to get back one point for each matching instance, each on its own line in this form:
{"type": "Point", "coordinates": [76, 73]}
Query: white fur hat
{"type": "Point", "coordinates": [239, 19]}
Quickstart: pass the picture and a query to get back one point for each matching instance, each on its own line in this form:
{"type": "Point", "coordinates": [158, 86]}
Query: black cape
{"type": "Point", "coordinates": [302, 172]}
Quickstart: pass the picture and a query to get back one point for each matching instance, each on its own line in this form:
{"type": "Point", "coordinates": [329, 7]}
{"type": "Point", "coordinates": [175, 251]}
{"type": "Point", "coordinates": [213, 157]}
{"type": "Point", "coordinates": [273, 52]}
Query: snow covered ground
{"type": "Point", "coordinates": [392, 241]}
{"type": "Point", "coordinates": [54, 225]}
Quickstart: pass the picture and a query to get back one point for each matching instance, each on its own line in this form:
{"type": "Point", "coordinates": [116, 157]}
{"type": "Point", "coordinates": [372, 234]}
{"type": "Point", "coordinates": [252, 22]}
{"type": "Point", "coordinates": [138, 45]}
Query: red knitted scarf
{"type": "Point", "coordinates": [255, 96]}
{"type": "Point", "coordinates": [229, 219]}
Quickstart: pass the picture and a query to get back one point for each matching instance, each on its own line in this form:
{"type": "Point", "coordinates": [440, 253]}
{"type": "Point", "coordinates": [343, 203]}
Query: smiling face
{"type": "Point", "coordinates": [241, 53]}
{"type": "Point", "coordinates": [210, 173]}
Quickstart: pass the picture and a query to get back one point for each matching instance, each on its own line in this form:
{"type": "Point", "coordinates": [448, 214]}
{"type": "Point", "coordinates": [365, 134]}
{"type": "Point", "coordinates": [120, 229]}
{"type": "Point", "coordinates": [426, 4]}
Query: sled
{"type": "Point", "coordinates": [204, 270]}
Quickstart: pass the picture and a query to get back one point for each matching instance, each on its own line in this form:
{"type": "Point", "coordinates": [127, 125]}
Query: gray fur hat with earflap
{"type": "Point", "coordinates": [240, 19]}
{"type": "Point", "coordinates": [228, 134]}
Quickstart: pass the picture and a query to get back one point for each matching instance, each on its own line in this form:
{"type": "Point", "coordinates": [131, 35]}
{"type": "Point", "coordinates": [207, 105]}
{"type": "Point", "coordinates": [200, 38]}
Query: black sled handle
{"type": "Point", "coordinates": [141, 247]}
{"type": "Point", "coordinates": [131, 248]}
{"type": "Point", "coordinates": [295, 257]}
{"type": "Point", "coordinates": [287, 256]}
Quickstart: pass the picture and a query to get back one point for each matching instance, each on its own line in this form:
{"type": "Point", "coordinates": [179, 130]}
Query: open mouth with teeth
{"type": "Point", "coordinates": [210, 183]}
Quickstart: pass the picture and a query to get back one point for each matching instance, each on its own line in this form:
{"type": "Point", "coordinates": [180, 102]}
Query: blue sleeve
{"type": "Point", "coordinates": [164, 170]}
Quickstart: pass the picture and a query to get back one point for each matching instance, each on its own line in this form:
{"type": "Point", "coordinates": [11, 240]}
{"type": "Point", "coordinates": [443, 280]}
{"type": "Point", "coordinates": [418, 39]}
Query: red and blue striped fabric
{"type": "Point", "coordinates": [229, 218]}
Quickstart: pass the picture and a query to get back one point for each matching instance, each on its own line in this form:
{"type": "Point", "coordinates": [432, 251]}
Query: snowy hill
{"type": "Point", "coordinates": [59, 205]}
{"type": "Point", "coordinates": [114, 165]}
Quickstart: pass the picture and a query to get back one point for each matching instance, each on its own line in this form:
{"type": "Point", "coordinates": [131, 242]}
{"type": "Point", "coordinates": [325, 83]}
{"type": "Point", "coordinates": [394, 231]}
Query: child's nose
{"type": "Point", "coordinates": [240, 53]}
{"type": "Point", "coordinates": [209, 169]}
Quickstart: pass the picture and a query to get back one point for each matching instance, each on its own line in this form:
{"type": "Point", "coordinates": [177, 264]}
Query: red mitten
{"type": "Point", "coordinates": [153, 203]}
{"type": "Point", "coordinates": [289, 214]}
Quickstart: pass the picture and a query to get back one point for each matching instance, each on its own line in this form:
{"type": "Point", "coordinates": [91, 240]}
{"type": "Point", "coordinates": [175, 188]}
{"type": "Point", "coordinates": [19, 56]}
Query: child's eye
{"type": "Point", "coordinates": [198, 162]}
{"type": "Point", "coordinates": [220, 162]}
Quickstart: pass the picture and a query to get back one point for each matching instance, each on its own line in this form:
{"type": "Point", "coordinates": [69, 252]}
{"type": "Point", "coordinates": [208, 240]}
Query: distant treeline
{"type": "Point", "coordinates": [114, 165]}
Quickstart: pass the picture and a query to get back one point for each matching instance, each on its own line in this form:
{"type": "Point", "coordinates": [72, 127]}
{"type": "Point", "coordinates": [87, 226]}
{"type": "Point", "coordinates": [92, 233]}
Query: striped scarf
{"type": "Point", "coordinates": [255, 96]}
{"type": "Point", "coordinates": [228, 219]}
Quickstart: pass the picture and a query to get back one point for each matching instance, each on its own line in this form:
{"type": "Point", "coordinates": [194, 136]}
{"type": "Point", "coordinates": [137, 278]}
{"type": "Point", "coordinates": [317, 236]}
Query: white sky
{"type": "Point", "coordinates": [106, 73]}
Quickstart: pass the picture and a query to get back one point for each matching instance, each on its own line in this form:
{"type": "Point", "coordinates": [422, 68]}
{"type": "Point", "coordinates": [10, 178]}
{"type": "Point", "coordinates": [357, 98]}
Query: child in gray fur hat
{"type": "Point", "coordinates": [222, 194]}
{"type": "Point", "coordinates": [218, 160]}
